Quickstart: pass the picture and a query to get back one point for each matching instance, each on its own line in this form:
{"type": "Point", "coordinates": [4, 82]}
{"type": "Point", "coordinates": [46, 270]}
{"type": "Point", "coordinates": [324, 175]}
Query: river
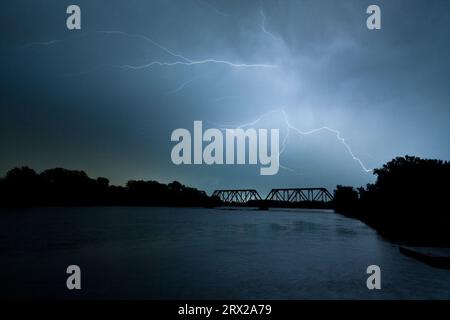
{"type": "Point", "coordinates": [192, 253]}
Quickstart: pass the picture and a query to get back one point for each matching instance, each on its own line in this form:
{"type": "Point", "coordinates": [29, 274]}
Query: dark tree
{"type": "Point", "coordinates": [62, 187]}
{"type": "Point", "coordinates": [409, 201]}
{"type": "Point", "coordinates": [346, 199]}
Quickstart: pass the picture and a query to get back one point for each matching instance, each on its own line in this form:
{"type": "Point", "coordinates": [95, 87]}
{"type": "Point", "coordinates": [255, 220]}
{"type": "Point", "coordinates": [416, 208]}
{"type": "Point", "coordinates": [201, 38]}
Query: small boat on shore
{"type": "Point", "coordinates": [433, 256]}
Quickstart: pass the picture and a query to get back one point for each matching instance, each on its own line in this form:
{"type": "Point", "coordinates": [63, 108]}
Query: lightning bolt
{"type": "Point", "coordinates": [335, 132]}
{"type": "Point", "coordinates": [283, 143]}
{"type": "Point", "coordinates": [182, 60]}
{"type": "Point", "coordinates": [179, 59]}
{"type": "Point", "coordinates": [192, 63]}
{"type": "Point", "coordinates": [263, 26]}
{"type": "Point", "coordinates": [146, 39]}
{"type": "Point", "coordinates": [290, 127]}
{"type": "Point", "coordinates": [42, 43]}
{"type": "Point", "coordinates": [182, 86]}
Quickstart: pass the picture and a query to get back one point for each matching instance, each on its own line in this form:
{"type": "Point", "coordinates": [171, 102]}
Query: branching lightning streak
{"type": "Point", "coordinates": [192, 63]}
{"type": "Point", "coordinates": [263, 26]}
{"type": "Point", "coordinates": [289, 127]}
{"type": "Point", "coordinates": [334, 131]}
{"type": "Point", "coordinates": [147, 39]}
{"type": "Point", "coordinates": [283, 143]}
{"type": "Point", "coordinates": [189, 62]}
{"type": "Point", "coordinates": [182, 59]}
{"type": "Point", "coordinates": [43, 43]}
{"type": "Point", "coordinates": [182, 86]}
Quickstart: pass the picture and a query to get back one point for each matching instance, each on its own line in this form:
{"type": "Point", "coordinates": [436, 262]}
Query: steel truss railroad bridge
{"type": "Point", "coordinates": [293, 195]}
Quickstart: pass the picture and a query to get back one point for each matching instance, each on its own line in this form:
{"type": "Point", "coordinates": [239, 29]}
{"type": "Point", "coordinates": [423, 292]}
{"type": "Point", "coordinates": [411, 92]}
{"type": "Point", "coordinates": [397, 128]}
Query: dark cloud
{"type": "Point", "coordinates": [66, 100]}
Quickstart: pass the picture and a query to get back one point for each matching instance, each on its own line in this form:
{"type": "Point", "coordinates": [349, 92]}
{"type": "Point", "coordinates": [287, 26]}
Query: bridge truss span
{"type": "Point", "coordinates": [237, 196]}
{"type": "Point", "coordinates": [300, 195]}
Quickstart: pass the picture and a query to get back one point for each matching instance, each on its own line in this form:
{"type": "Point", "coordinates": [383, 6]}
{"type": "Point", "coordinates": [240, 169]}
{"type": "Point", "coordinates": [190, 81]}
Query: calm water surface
{"type": "Point", "coordinates": [159, 253]}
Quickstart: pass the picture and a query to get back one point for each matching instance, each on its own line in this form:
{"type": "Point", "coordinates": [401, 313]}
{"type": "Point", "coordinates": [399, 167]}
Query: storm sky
{"type": "Point", "coordinates": [95, 99]}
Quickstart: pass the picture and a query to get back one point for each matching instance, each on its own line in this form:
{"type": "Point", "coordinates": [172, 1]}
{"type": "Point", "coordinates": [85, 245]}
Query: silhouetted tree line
{"type": "Point", "coordinates": [62, 187]}
{"type": "Point", "coordinates": [409, 202]}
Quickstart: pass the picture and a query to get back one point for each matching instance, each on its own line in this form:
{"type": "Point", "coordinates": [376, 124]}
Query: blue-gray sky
{"type": "Point", "coordinates": [67, 100]}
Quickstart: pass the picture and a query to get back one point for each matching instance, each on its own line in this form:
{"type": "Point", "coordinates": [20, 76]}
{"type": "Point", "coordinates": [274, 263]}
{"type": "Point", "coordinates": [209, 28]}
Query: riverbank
{"type": "Point", "coordinates": [435, 257]}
